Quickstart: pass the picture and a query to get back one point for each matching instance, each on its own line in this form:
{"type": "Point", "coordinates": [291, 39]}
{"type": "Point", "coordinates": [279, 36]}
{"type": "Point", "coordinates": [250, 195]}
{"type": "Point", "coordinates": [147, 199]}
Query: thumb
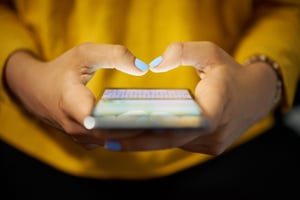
{"type": "Point", "coordinates": [78, 102]}
{"type": "Point", "coordinates": [211, 93]}
{"type": "Point", "coordinates": [97, 56]}
{"type": "Point", "coordinates": [196, 54]}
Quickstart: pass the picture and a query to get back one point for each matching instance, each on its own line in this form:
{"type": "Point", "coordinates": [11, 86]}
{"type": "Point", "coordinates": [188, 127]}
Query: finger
{"type": "Point", "coordinates": [77, 102]}
{"type": "Point", "coordinates": [86, 139]}
{"type": "Point", "coordinates": [90, 146]}
{"type": "Point", "coordinates": [118, 57]}
{"type": "Point", "coordinates": [215, 143]}
{"type": "Point", "coordinates": [209, 144]}
{"type": "Point", "coordinates": [212, 95]}
{"type": "Point", "coordinates": [196, 54]}
{"type": "Point", "coordinates": [95, 139]}
{"type": "Point", "coordinates": [116, 134]}
{"type": "Point", "coordinates": [151, 141]}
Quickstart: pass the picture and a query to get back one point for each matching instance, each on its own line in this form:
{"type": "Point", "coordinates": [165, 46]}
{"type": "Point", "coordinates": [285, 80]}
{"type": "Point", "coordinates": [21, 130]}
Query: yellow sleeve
{"type": "Point", "coordinates": [275, 32]}
{"type": "Point", "coordinates": [13, 36]}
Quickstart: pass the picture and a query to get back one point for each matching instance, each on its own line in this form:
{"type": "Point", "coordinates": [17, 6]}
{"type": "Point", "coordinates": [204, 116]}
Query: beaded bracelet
{"type": "Point", "coordinates": [276, 68]}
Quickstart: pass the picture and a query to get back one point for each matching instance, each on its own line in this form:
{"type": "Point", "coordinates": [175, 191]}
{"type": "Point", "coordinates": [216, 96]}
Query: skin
{"type": "Point", "coordinates": [233, 97]}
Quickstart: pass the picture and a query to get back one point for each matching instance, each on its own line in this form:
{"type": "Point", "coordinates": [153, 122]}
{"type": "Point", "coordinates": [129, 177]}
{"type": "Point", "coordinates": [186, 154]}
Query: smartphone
{"type": "Point", "coordinates": [120, 108]}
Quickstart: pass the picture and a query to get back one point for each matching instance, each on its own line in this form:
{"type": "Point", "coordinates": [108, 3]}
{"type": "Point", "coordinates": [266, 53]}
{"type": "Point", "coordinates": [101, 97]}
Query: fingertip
{"type": "Point", "coordinates": [81, 106]}
{"type": "Point", "coordinates": [89, 122]}
{"type": "Point", "coordinates": [154, 63]}
{"type": "Point", "coordinates": [113, 146]}
{"type": "Point", "coordinates": [141, 65]}
{"type": "Point", "coordinates": [162, 64]}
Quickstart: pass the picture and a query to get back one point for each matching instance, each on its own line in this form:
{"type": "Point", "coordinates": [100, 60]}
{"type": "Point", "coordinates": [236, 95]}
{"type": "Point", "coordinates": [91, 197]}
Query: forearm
{"type": "Point", "coordinates": [21, 75]}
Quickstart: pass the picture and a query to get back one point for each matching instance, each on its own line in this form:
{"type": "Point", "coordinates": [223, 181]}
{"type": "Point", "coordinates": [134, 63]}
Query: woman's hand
{"type": "Point", "coordinates": [55, 91]}
{"type": "Point", "coordinates": [233, 98]}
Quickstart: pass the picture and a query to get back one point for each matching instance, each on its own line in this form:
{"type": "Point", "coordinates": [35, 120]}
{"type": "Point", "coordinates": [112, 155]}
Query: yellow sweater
{"type": "Point", "coordinates": [146, 27]}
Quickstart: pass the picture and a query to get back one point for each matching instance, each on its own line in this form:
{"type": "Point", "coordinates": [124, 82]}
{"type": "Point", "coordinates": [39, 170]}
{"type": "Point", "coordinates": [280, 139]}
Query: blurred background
{"type": "Point", "coordinates": [292, 117]}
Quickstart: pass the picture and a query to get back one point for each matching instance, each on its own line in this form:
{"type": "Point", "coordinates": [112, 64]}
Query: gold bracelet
{"type": "Point", "coordinates": [276, 68]}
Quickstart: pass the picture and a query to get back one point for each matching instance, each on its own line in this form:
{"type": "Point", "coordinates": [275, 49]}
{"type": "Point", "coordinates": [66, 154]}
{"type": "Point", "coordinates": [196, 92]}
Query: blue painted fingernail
{"type": "Point", "coordinates": [140, 64]}
{"type": "Point", "coordinates": [156, 62]}
{"type": "Point", "coordinates": [112, 146]}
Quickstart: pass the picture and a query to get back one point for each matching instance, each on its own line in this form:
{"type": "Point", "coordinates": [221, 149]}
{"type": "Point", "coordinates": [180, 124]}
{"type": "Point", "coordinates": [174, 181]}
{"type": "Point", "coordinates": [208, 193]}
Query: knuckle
{"type": "Point", "coordinates": [213, 50]}
{"type": "Point", "coordinates": [120, 51]}
{"type": "Point", "coordinates": [70, 129]}
{"type": "Point", "coordinates": [74, 130]}
{"type": "Point", "coordinates": [82, 49]}
{"type": "Point", "coordinates": [63, 101]}
{"type": "Point", "coordinates": [176, 50]}
{"type": "Point", "coordinates": [209, 46]}
{"type": "Point", "coordinates": [176, 47]}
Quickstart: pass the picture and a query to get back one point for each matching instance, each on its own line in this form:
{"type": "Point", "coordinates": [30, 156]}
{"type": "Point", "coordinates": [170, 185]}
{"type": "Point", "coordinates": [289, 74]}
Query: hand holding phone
{"type": "Point", "coordinates": [146, 109]}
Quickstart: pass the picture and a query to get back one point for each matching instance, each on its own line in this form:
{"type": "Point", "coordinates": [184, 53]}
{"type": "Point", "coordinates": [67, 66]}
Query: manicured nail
{"type": "Point", "coordinates": [140, 64]}
{"type": "Point", "coordinates": [156, 62]}
{"type": "Point", "coordinates": [112, 146]}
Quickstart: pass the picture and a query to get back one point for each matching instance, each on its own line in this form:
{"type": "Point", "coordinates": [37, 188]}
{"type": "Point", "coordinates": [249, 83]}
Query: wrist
{"type": "Point", "coordinates": [18, 71]}
{"type": "Point", "coordinates": [276, 71]}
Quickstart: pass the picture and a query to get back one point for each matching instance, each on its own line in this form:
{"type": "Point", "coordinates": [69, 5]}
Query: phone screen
{"type": "Point", "coordinates": [146, 109]}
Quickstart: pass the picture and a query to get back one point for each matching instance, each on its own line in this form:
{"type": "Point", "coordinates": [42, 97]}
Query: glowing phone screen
{"type": "Point", "coordinates": [145, 108]}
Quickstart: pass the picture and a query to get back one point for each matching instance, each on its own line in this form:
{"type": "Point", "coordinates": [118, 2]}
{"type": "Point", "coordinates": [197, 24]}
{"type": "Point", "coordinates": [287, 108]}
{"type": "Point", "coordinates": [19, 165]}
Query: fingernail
{"type": "Point", "coordinates": [112, 146]}
{"type": "Point", "coordinates": [155, 62]}
{"type": "Point", "coordinates": [140, 64]}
